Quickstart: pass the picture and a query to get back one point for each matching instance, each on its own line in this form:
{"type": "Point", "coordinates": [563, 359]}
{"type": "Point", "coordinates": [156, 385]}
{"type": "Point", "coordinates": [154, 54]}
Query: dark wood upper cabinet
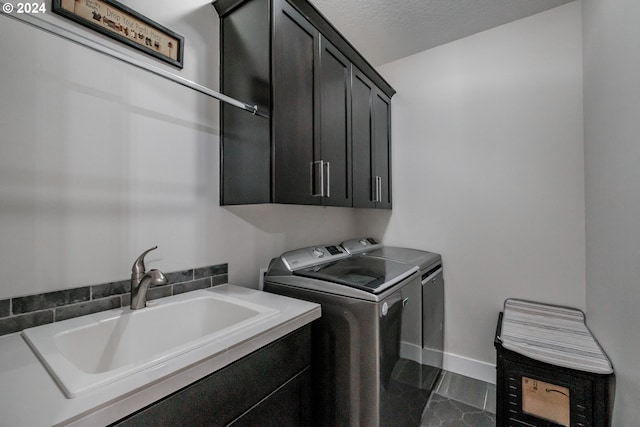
{"type": "Point", "coordinates": [334, 80]}
{"type": "Point", "coordinates": [362, 92]}
{"type": "Point", "coordinates": [323, 123]}
{"type": "Point", "coordinates": [382, 149]}
{"type": "Point", "coordinates": [245, 139]}
{"type": "Point", "coordinates": [371, 118]}
{"type": "Point", "coordinates": [295, 59]}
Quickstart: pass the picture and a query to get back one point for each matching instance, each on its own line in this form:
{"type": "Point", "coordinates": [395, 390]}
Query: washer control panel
{"type": "Point", "coordinates": [364, 244]}
{"type": "Point", "coordinates": [307, 257]}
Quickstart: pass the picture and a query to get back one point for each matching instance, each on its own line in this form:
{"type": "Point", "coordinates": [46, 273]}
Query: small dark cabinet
{"type": "Point", "coordinates": [371, 118]}
{"type": "Point", "coordinates": [284, 55]}
{"type": "Point", "coordinates": [382, 149]}
{"type": "Point", "coordinates": [270, 387]}
{"type": "Point", "coordinates": [312, 143]}
{"type": "Point", "coordinates": [334, 125]}
{"type": "Point", "coordinates": [293, 106]}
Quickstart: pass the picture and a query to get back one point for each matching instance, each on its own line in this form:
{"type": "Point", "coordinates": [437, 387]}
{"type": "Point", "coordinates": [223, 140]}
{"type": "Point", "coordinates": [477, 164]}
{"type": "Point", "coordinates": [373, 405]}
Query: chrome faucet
{"type": "Point", "coordinates": [141, 280]}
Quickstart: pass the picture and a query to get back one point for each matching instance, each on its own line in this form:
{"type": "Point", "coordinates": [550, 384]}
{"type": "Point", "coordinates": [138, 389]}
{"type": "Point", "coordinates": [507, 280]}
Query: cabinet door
{"type": "Point", "coordinates": [245, 140]}
{"type": "Point", "coordinates": [362, 91]}
{"type": "Point", "coordinates": [225, 395]}
{"type": "Point", "coordinates": [334, 125]}
{"type": "Point", "coordinates": [294, 106]}
{"type": "Point", "coordinates": [371, 133]}
{"type": "Point", "coordinates": [382, 148]}
{"type": "Point", "coordinates": [289, 406]}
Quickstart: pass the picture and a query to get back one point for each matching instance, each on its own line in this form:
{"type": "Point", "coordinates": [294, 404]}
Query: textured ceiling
{"type": "Point", "coordinates": [386, 30]}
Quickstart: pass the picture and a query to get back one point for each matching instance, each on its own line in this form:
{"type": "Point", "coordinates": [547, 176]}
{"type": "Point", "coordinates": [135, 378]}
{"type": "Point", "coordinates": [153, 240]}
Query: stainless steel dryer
{"type": "Point", "coordinates": [356, 343]}
{"type": "Point", "coordinates": [423, 335]}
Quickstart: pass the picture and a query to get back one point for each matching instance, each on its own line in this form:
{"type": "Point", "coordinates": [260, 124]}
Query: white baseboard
{"type": "Point", "coordinates": [482, 371]}
{"type": "Point", "coordinates": [424, 356]}
{"type": "Point", "coordinates": [432, 357]}
{"type": "Point", "coordinates": [410, 351]}
{"type": "Point", "coordinates": [477, 369]}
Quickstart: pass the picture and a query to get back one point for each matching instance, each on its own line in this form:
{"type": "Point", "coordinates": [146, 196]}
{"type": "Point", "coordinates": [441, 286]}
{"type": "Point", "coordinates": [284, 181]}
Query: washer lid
{"type": "Point", "coordinates": [366, 273]}
{"type": "Point", "coordinates": [422, 259]}
{"type": "Point", "coordinates": [372, 247]}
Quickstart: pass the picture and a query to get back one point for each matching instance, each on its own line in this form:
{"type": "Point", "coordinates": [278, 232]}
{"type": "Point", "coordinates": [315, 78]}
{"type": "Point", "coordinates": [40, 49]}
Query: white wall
{"type": "Point", "coordinates": [488, 170]}
{"type": "Point", "coordinates": [100, 160]}
{"type": "Point", "coordinates": [612, 154]}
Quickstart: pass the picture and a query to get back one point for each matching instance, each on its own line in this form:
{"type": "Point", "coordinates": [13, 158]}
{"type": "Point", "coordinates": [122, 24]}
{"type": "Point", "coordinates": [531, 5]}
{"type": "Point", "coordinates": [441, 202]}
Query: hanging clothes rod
{"type": "Point", "coordinates": [33, 20]}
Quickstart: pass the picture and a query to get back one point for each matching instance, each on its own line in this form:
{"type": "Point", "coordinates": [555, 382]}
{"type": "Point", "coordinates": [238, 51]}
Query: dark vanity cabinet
{"type": "Point", "coordinates": [284, 55]}
{"type": "Point", "coordinates": [270, 387]}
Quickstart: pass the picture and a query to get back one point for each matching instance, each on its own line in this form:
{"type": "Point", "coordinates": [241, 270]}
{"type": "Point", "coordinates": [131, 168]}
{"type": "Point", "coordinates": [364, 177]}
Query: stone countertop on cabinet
{"type": "Point", "coordinates": [30, 397]}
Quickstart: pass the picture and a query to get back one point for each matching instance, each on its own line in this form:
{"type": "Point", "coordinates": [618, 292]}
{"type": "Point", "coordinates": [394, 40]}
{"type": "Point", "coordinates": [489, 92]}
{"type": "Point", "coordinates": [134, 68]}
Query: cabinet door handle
{"type": "Point", "coordinates": [328, 179]}
{"type": "Point", "coordinates": [317, 169]}
{"type": "Point", "coordinates": [374, 189]}
{"type": "Point", "coordinates": [378, 189]}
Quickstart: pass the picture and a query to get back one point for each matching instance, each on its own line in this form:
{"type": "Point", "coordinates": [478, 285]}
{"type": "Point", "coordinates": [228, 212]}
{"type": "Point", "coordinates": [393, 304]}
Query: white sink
{"type": "Point", "coordinates": [91, 351]}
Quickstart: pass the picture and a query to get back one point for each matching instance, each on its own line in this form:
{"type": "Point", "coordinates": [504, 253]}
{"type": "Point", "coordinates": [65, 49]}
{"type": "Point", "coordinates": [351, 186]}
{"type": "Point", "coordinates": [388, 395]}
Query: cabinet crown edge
{"type": "Point", "coordinates": [309, 11]}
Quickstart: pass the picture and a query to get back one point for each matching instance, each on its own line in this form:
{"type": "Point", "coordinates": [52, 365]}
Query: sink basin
{"type": "Point", "coordinates": [91, 351]}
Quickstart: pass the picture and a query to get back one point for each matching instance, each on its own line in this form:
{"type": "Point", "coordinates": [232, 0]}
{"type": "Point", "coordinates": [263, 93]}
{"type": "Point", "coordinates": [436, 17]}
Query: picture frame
{"type": "Point", "coordinates": [121, 23]}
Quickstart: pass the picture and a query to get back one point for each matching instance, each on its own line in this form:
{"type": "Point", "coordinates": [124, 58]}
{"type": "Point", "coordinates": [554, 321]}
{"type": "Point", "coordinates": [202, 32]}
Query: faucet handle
{"type": "Point", "coordinates": [138, 265]}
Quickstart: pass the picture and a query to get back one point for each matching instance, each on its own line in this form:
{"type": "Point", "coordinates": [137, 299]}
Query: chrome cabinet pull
{"type": "Point", "coordinates": [316, 166]}
{"type": "Point", "coordinates": [328, 180]}
{"type": "Point", "coordinates": [374, 189]}
{"type": "Point", "coordinates": [311, 178]}
{"type": "Point", "coordinates": [377, 189]}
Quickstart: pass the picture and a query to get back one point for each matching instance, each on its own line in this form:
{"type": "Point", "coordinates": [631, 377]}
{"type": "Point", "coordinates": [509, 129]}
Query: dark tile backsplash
{"type": "Point", "coordinates": [214, 270]}
{"type": "Point", "coordinates": [154, 293]}
{"type": "Point", "coordinates": [50, 300]}
{"type": "Point", "coordinates": [110, 289]}
{"type": "Point", "coordinates": [25, 312]}
{"type": "Point", "coordinates": [219, 280]}
{"type": "Point", "coordinates": [5, 307]}
{"type": "Point", "coordinates": [182, 276]}
{"type": "Point", "coordinates": [17, 323]}
{"type": "Point", "coordinates": [192, 286]}
{"type": "Point", "coordinates": [75, 310]}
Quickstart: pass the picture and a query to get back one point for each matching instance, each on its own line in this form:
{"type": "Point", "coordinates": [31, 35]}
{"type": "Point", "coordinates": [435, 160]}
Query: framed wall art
{"type": "Point", "coordinates": [121, 23]}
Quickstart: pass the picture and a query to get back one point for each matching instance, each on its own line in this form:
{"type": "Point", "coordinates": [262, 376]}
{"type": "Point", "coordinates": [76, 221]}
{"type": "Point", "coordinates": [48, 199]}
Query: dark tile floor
{"type": "Point", "coordinates": [409, 389]}
{"type": "Point", "coordinates": [444, 412]}
{"type": "Point", "coordinates": [460, 401]}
